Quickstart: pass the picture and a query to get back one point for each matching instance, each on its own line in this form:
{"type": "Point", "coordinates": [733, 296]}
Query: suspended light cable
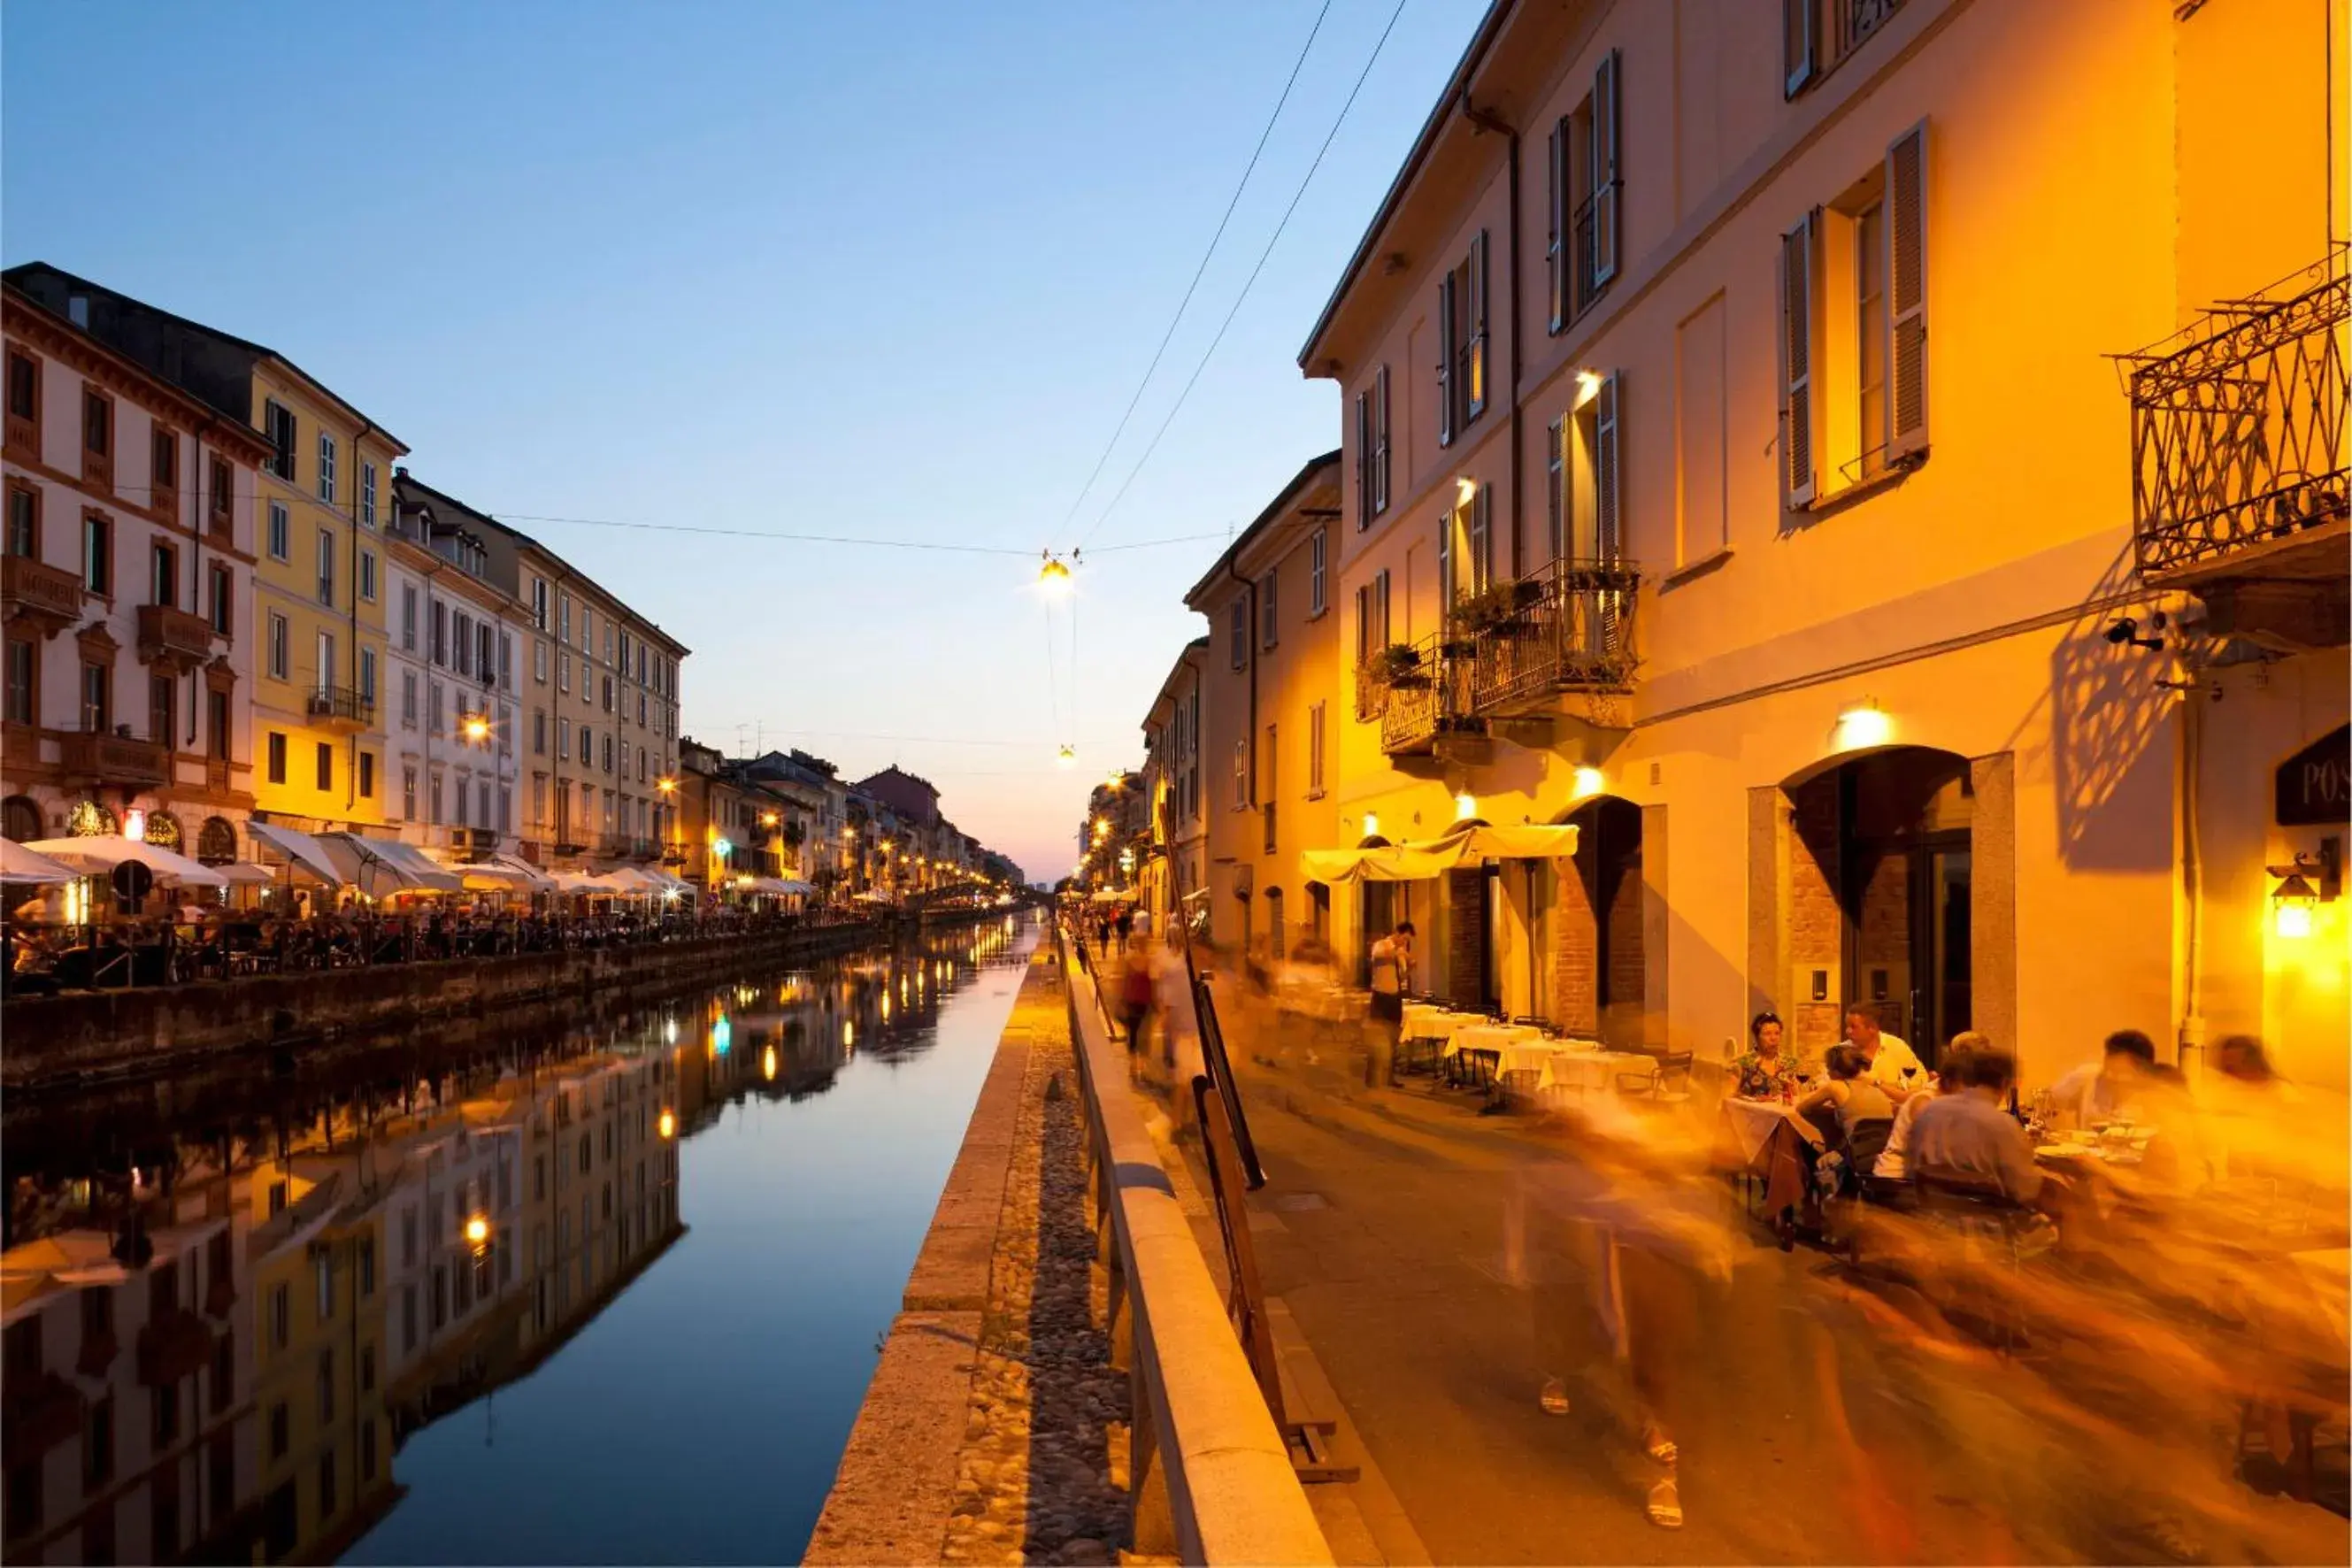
{"type": "Point", "coordinates": [1211, 351]}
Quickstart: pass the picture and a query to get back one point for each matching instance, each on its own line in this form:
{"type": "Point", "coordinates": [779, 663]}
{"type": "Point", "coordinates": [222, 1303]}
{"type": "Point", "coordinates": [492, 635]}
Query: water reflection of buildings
{"type": "Point", "coordinates": [218, 1357]}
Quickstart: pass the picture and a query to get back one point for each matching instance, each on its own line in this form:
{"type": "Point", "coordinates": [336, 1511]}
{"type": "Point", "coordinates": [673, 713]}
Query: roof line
{"type": "Point", "coordinates": [255, 444]}
{"type": "Point", "coordinates": [1480, 41]}
{"type": "Point", "coordinates": [247, 344]}
{"type": "Point", "coordinates": [1264, 520]}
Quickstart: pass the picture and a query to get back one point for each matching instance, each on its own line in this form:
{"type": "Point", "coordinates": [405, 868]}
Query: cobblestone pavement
{"type": "Point", "coordinates": [1043, 1474]}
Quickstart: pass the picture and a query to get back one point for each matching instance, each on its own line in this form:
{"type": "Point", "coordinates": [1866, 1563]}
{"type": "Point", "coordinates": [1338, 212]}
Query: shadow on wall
{"type": "Point", "coordinates": [2110, 767]}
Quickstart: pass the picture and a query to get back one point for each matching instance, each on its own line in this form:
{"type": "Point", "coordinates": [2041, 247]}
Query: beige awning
{"type": "Point", "coordinates": [1418, 860]}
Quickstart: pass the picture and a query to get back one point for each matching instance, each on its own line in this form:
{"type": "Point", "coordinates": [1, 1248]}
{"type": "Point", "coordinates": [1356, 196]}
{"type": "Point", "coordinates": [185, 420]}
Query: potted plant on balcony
{"type": "Point", "coordinates": [1399, 665]}
{"type": "Point", "coordinates": [1491, 611]}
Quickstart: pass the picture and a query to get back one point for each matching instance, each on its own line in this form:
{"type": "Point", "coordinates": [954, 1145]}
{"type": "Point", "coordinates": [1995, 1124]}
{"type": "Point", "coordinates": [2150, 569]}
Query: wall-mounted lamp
{"type": "Point", "coordinates": [1372, 825]}
{"type": "Point", "coordinates": [1588, 387]}
{"type": "Point", "coordinates": [2296, 897]}
{"type": "Point", "coordinates": [1864, 726]}
{"type": "Point", "coordinates": [1465, 806]}
{"type": "Point", "coordinates": [2124, 633]}
{"type": "Point", "coordinates": [1586, 782]}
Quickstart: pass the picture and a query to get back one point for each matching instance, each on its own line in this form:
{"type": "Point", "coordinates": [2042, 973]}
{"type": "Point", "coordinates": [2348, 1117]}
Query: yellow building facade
{"type": "Point", "coordinates": [320, 596]}
{"type": "Point", "coordinates": [1738, 467]}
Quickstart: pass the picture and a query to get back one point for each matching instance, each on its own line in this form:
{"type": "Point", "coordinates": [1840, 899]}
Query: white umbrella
{"type": "Point", "coordinates": [100, 854]}
{"type": "Point", "coordinates": [378, 867]}
{"type": "Point", "coordinates": [18, 864]}
{"type": "Point", "coordinates": [300, 850]}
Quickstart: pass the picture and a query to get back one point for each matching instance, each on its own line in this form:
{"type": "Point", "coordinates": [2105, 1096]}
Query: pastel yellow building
{"type": "Point", "coordinates": [321, 498]}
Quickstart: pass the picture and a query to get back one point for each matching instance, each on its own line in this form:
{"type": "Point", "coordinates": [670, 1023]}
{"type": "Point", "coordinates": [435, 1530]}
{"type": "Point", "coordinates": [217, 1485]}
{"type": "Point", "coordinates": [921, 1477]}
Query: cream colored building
{"type": "Point", "coordinates": [1759, 493]}
{"type": "Point", "coordinates": [1271, 691]}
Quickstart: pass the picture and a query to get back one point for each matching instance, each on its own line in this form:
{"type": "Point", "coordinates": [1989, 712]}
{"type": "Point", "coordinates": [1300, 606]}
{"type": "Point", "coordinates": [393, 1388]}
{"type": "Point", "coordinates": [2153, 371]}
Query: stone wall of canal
{"type": "Point", "coordinates": [99, 1034]}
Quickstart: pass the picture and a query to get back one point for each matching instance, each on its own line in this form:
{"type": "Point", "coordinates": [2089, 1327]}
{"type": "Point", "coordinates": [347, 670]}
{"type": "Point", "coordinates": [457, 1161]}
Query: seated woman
{"type": "Point", "coordinates": [1765, 1072]}
{"type": "Point", "coordinates": [1850, 1096]}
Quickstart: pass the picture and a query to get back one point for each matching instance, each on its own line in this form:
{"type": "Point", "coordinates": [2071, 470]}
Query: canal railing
{"type": "Point", "coordinates": [1212, 1481]}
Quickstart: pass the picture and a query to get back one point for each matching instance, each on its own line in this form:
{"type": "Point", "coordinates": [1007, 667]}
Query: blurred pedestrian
{"type": "Point", "coordinates": [1391, 959]}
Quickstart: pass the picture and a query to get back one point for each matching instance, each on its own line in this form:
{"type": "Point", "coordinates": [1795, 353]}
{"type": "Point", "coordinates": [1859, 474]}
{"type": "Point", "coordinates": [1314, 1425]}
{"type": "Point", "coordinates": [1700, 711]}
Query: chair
{"type": "Point", "coordinates": [1673, 1078]}
{"type": "Point", "coordinates": [1865, 1142]}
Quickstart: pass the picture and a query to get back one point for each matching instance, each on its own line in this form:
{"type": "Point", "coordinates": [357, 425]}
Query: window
{"type": "Point", "coordinates": [538, 602]}
{"type": "Point", "coordinates": [165, 450]}
{"type": "Point", "coordinates": [277, 424]}
{"type": "Point", "coordinates": [433, 795]}
{"type": "Point", "coordinates": [221, 601]}
{"type": "Point", "coordinates": [608, 751]}
{"type": "Point", "coordinates": [1371, 618]}
{"type": "Point", "coordinates": [538, 662]}
{"type": "Point", "coordinates": [1240, 776]}
{"type": "Point", "coordinates": [327, 665]}
{"type": "Point", "coordinates": [433, 706]}
{"type": "Point", "coordinates": [163, 709]}
{"type": "Point", "coordinates": [1853, 331]}
{"type": "Point", "coordinates": [280, 536]}
{"type": "Point", "coordinates": [408, 797]}
{"type": "Point", "coordinates": [326, 765]}
{"type": "Point", "coordinates": [216, 708]}
{"type": "Point", "coordinates": [24, 521]}
{"type": "Point", "coordinates": [97, 554]}
{"type": "Point", "coordinates": [563, 619]}
{"type": "Point", "coordinates": [163, 574]}
{"type": "Point", "coordinates": [367, 575]}
{"type": "Point", "coordinates": [1462, 343]}
{"type": "Point", "coordinates": [1269, 629]}
{"type": "Point", "coordinates": [563, 671]}
{"type": "Point", "coordinates": [1816, 35]}
{"type": "Point", "coordinates": [278, 638]}
{"type": "Point", "coordinates": [25, 389]}
{"type": "Point", "coordinates": [281, 1316]}
{"type": "Point", "coordinates": [563, 739]}
{"type": "Point", "coordinates": [440, 649]}
{"type": "Point", "coordinates": [276, 757]}
{"type": "Point", "coordinates": [1317, 581]}
{"type": "Point", "coordinates": [367, 776]}
{"type": "Point", "coordinates": [326, 567]}
{"type": "Point", "coordinates": [1465, 547]}
{"type": "Point", "coordinates": [1240, 632]}
{"type": "Point", "coordinates": [220, 492]}
{"type": "Point", "coordinates": [539, 731]}
{"type": "Point", "coordinates": [408, 616]}
{"type": "Point", "coordinates": [24, 683]}
{"type": "Point", "coordinates": [608, 694]}
{"type": "Point", "coordinates": [1586, 197]}
{"type": "Point", "coordinates": [97, 425]}
{"type": "Point", "coordinates": [326, 467]}
{"type": "Point", "coordinates": [408, 699]}
{"type": "Point", "coordinates": [367, 674]}
{"type": "Point", "coordinates": [367, 494]}
{"type": "Point", "coordinates": [1582, 498]}
{"type": "Point", "coordinates": [96, 699]}
{"type": "Point", "coordinates": [1314, 743]}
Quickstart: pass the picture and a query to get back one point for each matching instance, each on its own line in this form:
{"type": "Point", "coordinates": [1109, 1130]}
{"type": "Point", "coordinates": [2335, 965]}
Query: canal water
{"type": "Point", "coordinates": [603, 1288]}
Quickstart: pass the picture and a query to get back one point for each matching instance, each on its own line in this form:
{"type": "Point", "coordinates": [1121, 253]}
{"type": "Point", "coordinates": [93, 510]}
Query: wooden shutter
{"type": "Point", "coordinates": [1798, 44]}
{"type": "Point", "coordinates": [1363, 625]}
{"type": "Point", "coordinates": [1482, 540]}
{"type": "Point", "coordinates": [1797, 248]}
{"type": "Point", "coordinates": [1907, 293]}
{"type": "Point", "coordinates": [1444, 563]}
{"type": "Point", "coordinates": [1446, 360]}
{"type": "Point", "coordinates": [1363, 460]}
{"type": "Point", "coordinates": [1556, 485]}
{"type": "Point", "coordinates": [1380, 446]}
{"type": "Point", "coordinates": [1605, 128]}
{"type": "Point", "coordinates": [1556, 252]}
{"type": "Point", "coordinates": [1607, 533]}
{"type": "Point", "coordinates": [1381, 585]}
{"type": "Point", "coordinates": [1473, 390]}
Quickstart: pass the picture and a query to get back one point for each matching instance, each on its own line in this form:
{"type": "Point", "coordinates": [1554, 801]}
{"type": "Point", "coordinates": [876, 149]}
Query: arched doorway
{"type": "Point", "coordinates": [1880, 879]}
{"type": "Point", "coordinates": [20, 818]}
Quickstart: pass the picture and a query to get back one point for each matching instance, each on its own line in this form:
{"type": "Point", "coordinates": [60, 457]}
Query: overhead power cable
{"type": "Point", "coordinates": [1211, 351]}
{"type": "Point", "coordinates": [1198, 272]}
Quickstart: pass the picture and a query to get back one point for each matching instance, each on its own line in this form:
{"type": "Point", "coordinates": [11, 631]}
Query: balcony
{"type": "Point", "coordinates": [1567, 629]}
{"type": "Point", "coordinates": [2239, 489]}
{"type": "Point", "coordinates": [113, 760]}
{"type": "Point", "coordinates": [339, 708]}
{"type": "Point", "coordinates": [174, 639]}
{"type": "Point", "coordinates": [1423, 687]}
{"type": "Point", "coordinates": [50, 596]}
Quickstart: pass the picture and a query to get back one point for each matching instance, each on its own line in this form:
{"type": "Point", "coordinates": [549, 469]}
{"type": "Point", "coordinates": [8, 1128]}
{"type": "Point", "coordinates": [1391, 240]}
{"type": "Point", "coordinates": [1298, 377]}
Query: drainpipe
{"type": "Point", "coordinates": [351, 771]}
{"type": "Point", "coordinates": [2191, 1051]}
{"type": "Point", "coordinates": [1487, 119]}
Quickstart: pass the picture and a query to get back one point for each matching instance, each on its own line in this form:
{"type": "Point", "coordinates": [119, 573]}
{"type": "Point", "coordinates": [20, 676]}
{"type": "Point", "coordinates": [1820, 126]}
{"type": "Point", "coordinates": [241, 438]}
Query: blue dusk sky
{"type": "Point", "coordinates": [882, 271]}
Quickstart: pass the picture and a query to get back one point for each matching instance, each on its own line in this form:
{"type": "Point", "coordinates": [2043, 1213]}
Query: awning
{"type": "Point", "coordinates": [382, 866]}
{"type": "Point", "coordinates": [247, 873]}
{"type": "Point", "coordinates": [300, 848]}
{"type": "Point", "coordinates": [1113, 896]}
{"type": "Point", "coordinates": [18, 864]}
{"type": "Point", "coordinates": [794, 885]}
{"type": "Point", "coordinates": [1420, 859]}
{"type": "Point", "coordinates": [498, 874]}
{"type": "Point", "coordinates": [98, 855]}
{"type": "Point", "coordinates": [583, 882]}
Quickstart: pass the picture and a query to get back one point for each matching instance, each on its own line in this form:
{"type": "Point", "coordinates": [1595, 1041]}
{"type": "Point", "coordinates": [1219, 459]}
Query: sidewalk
{"type": "Point", "coordinates": [1385, 1225]}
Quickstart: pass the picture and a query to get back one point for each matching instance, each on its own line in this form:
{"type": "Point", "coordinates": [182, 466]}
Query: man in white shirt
{"type": "Point", "coordinates": [2099, 1090]}
{"type": "Point", "coordinates": [1894, 1065]}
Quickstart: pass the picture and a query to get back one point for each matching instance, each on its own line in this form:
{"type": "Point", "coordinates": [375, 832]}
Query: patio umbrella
{"type": "Point", "coordinates": [300, 850]}
{"type": "Point", "coordinates": [18, 864]}
{"type": "Point", "coordinates": [381, 866]}
{"type": "Point", "coordinates": [100, 854]}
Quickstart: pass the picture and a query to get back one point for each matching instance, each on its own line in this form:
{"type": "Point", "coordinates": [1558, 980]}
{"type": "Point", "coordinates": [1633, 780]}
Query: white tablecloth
{"type": "Point", "coordinates": [1488, 1035]}
{"type": "Point", "coordinates": [1426, 1022]}
{"type": "Point", "coordinates": [1751, 1122]}
{"type": "Point", "coordinates": [1584, 1069]}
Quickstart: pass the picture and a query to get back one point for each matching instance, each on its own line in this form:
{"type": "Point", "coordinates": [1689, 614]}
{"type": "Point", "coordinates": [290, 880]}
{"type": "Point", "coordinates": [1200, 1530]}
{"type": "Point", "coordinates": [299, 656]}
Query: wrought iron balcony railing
{"type": "Point", "coordinates": [1568, 628]}
{"type": "Point", "coordinates": [1427, 687]}
{"type": "Point", "coordinates": [2238, 424]}
{"type": "Point", "coordinates": [340, 707]}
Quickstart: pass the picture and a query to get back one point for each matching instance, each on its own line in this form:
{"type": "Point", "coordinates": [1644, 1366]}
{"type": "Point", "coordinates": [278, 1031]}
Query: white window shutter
{"type": "Point", "coordinates": [1444, 563]}
{"type": "Point", "coordinates": [1363, 459]}
{"type": "Point", "coordinates": [1606, 122]}
{"type": "Point", "coordinates": [1473, 394]}
{"type": "Point", "coordinates": [1798, 47]}
{"type": "Point", "coordinates": [1797, 248]}
{"type": "Point", "coordinates": [1445, 361]}
{"type": "Point", "coordinates": [1482, 540]}
{"type": "Point", "coordinates": [1907, 293]}
{"type": "Point", "coordinates": [1607, 471]}
{"type": "Point", "coordinates": [1556, 485]}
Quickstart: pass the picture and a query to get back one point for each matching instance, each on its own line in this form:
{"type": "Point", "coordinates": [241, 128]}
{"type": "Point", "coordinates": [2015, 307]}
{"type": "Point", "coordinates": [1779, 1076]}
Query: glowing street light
{"type": "Point", "coordinates": [668, 1123]}
{"type": "Point", "coordinates": [478, 1231]}
{"type": "Point", "coordinates": [477, 727]}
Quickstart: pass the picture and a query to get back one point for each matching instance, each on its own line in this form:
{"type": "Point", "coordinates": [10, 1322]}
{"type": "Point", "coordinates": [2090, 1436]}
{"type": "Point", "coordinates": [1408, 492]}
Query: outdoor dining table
{"type": "Point", "coordinates": [1429, 1030]}
{"type": "Point", "coordinates": [1583, 1067]}
{"type": "Point", "coordinates": [1767, 1138]}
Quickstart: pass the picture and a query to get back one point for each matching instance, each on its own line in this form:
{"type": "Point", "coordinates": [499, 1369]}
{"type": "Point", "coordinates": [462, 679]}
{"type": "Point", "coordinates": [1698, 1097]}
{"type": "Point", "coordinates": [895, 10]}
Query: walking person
{"type": "Point", "coordinates": [1125, 920]}
{"type": "Point", "coordinates": [1391, 977]}
{"type": "Point", "coordinates": [1138, 989]}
